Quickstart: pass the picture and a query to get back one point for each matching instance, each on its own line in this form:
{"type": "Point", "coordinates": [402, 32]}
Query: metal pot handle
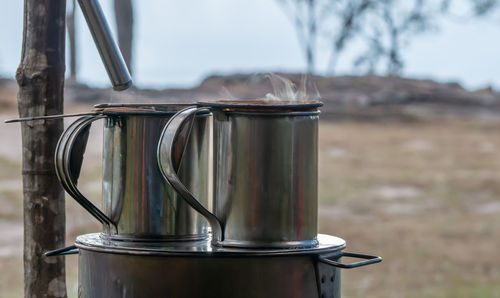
{"type": "Point", "coordinates": [68, 250]}
{"type": "Point", "coordinates": [171, 146]}
{"type": "Point", "coordinates": [369, 259]}
{"type": "Point", "coordinates": [68, 161]}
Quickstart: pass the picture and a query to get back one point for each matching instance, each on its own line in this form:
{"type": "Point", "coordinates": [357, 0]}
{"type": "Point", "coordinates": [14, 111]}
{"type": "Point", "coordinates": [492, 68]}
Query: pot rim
{"type": "Point", "coordinates": [143, 109]}
{"type": "Point", "coordinates": [99, 242]}
{"type": "Point", "coordinates": [261, 105]}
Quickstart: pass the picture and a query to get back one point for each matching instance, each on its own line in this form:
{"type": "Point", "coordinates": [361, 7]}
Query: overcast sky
{"type": "Point", "coordinates": [177, 43]}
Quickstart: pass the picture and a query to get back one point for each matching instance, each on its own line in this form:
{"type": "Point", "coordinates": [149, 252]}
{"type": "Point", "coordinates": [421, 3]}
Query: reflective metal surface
{"type": "Point", "coordinates": [101, 242]}
{"type": "Point", "coordinates": [266, 177]}
{"type": "Point", "coordinates": [265, 173]}
{"type": "Point", "coordinates": [119, 275]}
{"type": "Point", "coordinates": [108, 49]}
{"type": "Point", "coordinates": [136, 200]}
{"type": "Point", "coordinates": [197, 269]}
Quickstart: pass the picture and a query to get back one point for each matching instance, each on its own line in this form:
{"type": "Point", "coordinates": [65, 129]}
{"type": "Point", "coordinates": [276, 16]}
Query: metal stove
{"type": "Point", "coordinates": [162, 234]}
{"type": "Point", "coordinates": [197, 269]}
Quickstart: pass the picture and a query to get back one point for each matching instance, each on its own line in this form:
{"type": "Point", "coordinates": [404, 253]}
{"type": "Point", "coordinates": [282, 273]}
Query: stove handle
{"type": "Point", "coordinates": [68, 162]}
{"type": "Point", "coordinates": [171, 146]}
{"type": "Point", "coordinates": [368, 259]}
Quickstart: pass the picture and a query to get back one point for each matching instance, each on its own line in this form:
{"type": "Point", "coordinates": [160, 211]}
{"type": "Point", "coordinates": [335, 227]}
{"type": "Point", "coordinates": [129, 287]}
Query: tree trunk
{"type": "Point", "coordinates": [124, 15]}
{"type": "Point", "coordinates": [394, 61]}
{"type": "Point", "coordinates": [40, 77]}
{"type": "Point", "coordinates": [311, 36]}
{"type": "Point", "coordinates": [70, 21]}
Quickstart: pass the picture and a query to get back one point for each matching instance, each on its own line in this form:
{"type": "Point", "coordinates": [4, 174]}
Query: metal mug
{"type": "Point", "coordinates": [138, 205]}
{"type": "Point", "coordinates": [265, 171]}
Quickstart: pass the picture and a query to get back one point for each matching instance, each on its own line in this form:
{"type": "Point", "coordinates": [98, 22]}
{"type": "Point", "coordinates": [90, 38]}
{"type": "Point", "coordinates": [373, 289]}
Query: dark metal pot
{"type": "Point", "coordinates": [195, 269]}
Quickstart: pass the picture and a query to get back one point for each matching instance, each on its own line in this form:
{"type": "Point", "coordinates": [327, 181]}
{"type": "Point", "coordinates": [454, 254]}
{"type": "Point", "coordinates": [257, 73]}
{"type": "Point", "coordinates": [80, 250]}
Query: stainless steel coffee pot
{"type": "Point", "coordinates": [137, 202]}
{"type": "Point", "coordinates": [265, 168]}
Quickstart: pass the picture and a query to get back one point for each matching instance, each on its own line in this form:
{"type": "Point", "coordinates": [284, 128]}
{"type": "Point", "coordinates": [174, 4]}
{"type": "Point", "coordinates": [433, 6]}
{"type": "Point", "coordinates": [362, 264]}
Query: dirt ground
{"type": "Point", "coordinates": [425, 195]}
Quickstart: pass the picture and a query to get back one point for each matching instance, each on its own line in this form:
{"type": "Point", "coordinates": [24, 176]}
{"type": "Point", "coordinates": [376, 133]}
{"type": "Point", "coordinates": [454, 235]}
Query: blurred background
{"type": "Point", "coordinates": [409, 133]}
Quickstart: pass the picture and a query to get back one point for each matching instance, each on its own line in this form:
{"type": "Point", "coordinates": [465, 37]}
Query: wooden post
{"type": "Point", "coordinates": [70, 21]}
{"type": "Point", "coordinates": [40, 77]}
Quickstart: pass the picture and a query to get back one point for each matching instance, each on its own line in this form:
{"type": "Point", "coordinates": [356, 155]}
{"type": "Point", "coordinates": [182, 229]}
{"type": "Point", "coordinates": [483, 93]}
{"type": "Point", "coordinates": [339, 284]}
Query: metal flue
{"type": "Point", "coordinates": [108, 49]}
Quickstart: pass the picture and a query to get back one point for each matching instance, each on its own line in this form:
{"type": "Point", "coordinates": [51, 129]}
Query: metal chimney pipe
{"type": "Point", "coordinates": [108, 49]}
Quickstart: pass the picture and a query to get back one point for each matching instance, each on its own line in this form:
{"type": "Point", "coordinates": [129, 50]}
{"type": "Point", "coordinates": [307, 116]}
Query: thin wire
{"type": "Point", "coordinates": [49, 117]}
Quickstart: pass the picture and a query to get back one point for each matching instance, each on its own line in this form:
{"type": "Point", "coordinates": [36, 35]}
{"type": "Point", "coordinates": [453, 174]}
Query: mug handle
{"type": "Point", "coordinates": [68, 162]}
{"type": "Point", "coordinates": [171, 146]}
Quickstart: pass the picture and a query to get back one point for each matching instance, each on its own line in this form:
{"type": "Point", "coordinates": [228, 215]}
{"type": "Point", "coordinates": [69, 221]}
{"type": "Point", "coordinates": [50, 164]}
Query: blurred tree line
{"type": "Point", "coordinates": [384, 28]}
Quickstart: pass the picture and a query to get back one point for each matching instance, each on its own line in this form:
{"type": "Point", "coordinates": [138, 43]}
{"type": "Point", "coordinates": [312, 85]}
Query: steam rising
{"type": "Point", "coordinates": [285, 90]}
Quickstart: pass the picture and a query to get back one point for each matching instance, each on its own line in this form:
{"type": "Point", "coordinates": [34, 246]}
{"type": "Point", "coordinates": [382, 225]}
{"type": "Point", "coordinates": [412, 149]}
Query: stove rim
{"type": "Point", "coordinates": [202, 248]}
